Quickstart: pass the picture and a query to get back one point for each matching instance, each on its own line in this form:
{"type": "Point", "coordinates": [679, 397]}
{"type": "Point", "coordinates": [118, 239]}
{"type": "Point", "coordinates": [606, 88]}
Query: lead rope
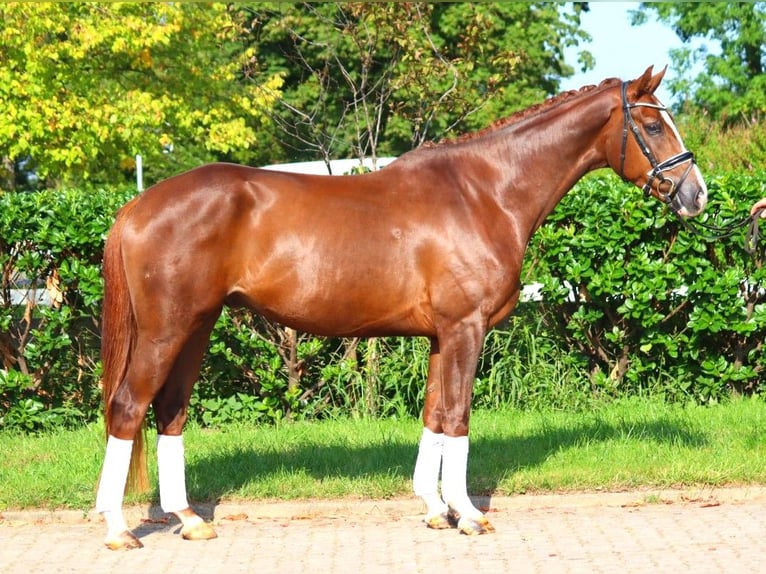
{"type": "Point", "coordinates": [751, 237]}
{"type": "Point", "coordinates": [714, 232]}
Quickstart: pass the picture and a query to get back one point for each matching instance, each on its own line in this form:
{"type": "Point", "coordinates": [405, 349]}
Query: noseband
{"type": "Point", "coordinates": [667, 188]}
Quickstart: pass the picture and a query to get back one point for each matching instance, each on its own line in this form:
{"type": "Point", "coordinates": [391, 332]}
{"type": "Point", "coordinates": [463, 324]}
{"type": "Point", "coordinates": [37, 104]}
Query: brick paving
{"type": "Point", "coordinates": [711, 531]}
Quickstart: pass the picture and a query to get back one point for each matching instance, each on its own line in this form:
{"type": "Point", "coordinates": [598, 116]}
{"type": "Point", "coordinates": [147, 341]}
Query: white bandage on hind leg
{"type": "Point", "coordinates": [425, 480]}
{"type": "Point", "coordinates": [454, 473]}
{"type": "Point", "coordinates": [170, 466]}
{"type": "Point", "coordinates": [111, 486]}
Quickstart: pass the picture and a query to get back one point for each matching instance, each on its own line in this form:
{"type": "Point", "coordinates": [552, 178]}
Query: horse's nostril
{"type": "Point", "coordinates": [701, 197]}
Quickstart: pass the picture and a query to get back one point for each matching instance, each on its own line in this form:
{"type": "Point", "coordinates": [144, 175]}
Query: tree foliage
{"type": "Point", "coordinates": [86, 86]}
{"type": "Point", "coordinates": [362, 78]}
{"type": "Point", "coordinates": [731, 83]}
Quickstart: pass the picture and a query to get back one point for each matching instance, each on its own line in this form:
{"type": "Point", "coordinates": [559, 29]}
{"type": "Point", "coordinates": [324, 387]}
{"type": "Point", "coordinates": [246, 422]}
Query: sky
{"type": "Point", "coordinates": [621, 50]}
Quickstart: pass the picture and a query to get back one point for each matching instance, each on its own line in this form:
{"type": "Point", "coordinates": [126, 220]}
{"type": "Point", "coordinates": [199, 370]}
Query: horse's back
{"type": "Point", "coordinates": [350, 255]}
{"type": "Point", "coordinates": [323, 253]}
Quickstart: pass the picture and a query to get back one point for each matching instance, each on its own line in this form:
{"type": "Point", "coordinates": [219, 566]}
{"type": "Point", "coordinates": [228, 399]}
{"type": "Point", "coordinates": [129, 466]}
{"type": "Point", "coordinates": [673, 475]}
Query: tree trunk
{"type": "Point", "coordinates": [7, 174]}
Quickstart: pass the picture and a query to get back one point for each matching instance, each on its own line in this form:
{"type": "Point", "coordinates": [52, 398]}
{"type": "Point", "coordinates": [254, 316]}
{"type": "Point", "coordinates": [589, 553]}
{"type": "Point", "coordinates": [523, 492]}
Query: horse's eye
{"type": "Point", "coordinates": [654, 129]}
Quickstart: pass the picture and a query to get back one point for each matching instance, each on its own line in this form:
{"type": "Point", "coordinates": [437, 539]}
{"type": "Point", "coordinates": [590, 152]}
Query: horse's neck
{"type": "Point", "coordinates": [545, 155]}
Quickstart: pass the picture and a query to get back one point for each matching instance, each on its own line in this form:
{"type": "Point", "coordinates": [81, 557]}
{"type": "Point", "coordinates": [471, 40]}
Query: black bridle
{"type": "Point", "coordinates": [667, 188]}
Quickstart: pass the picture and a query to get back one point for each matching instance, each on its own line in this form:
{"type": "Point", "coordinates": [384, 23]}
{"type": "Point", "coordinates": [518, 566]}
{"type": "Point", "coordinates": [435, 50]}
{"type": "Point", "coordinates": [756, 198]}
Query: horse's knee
{"type": "Point", "coordinates": [433, 422]}
{"type": "Point", "coordinates": [451, 423]}
{"type": "Point", "coordinates": [455, 424]}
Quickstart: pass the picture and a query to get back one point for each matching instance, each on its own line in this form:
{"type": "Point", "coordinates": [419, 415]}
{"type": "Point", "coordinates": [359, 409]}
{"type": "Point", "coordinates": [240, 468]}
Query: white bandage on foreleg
{"type": "Point", "coordinates": [172, 475]}
{"type": "Point", "coordinates": [454, 473]}
{"type": "Point", "coordinates": [425, 480]}
{"type": "Point", "coordinates": [111, 486]}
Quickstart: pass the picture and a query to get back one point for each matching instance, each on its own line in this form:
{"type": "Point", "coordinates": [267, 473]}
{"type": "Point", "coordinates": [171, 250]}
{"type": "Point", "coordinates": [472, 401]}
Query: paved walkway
{"type": "Point", "coordinates": [713, 531]}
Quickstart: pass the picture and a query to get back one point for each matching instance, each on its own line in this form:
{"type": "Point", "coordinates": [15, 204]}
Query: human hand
{"type": "Point", "coordinates": [760, 204]}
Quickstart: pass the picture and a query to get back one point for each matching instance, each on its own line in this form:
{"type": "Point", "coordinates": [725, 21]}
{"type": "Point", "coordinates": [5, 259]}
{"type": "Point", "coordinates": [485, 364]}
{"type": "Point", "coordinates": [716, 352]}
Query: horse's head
{"type": "Point", "coordinates": [646, 149]}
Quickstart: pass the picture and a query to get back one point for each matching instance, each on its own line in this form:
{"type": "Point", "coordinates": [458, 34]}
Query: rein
{"type": "Point", "coordinates": [704, 231]}
{"type": "Point", "coordinates": [710, 233]}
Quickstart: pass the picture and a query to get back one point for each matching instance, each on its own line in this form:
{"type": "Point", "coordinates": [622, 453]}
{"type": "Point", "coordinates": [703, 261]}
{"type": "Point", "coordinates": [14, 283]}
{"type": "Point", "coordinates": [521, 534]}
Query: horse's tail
{"type": "Point", "coordinates": [118, 333]}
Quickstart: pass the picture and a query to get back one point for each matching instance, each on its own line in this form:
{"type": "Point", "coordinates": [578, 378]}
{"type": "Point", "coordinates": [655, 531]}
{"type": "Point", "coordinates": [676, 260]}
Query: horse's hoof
{"type": "Point", "coordinates": [200, 531]}
{"type": "Point", "coordinates": [124, 541]}
{"type": "Point", "coordinates": [439, 521]}
{"type": "Point", "coordinates": [475, 526]}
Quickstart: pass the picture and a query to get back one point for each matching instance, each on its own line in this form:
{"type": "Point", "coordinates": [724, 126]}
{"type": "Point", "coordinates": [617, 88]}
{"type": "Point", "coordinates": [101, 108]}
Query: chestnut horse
{"type": "Point", "coordinates": [430, 246]}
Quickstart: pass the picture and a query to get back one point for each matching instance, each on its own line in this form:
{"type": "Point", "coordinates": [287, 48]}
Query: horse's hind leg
{"type": "Point", "coordinates": [145, 375]}
{"type": "Point", "coordinates": [111, 489]}
{"type": "Point", "coordinates": [170, 409]}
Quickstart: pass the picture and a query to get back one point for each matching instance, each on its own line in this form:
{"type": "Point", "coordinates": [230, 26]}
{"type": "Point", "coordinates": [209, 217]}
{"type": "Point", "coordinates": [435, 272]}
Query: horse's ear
{"type": "Point", "coordinates": [647, 83]}
{"type": "Point", "coordinates": [655, 80]}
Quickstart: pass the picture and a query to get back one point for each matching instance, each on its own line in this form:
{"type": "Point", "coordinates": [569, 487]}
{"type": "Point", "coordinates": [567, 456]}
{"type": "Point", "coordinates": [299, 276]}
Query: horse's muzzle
{"type": "Point", "coordinates": [691, 199]}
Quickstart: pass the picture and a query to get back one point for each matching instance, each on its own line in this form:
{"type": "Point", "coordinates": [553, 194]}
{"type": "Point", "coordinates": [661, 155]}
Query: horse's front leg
{"type": "Point", "coordinates": [470, 520]}
{"type": "Point", "coordinates": [425, 480]}
{"type": "Point", "coordinates": [460, 347]}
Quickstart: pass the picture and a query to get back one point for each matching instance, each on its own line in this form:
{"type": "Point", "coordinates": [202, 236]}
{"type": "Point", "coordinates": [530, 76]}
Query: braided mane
{"type": "Point", "coordinates": [528, 112]}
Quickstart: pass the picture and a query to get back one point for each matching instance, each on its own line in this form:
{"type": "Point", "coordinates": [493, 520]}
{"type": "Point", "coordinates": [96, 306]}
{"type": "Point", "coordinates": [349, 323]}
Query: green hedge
{"type": "Point", "coordinates": [632, 304]}
{"type": "Point", "coordinates": [50, 249]}
{"type": "Point", "coordinates": [652, 306]}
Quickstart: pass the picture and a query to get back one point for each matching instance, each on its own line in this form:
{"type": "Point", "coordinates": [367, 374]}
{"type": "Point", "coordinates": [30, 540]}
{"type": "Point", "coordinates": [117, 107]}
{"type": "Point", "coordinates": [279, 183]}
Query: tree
{"type": "Point", "coordinates": [368, 78]}
{"type": "Point", "coordinates": [731, 84]}
{"type": "Point", "coordinates": [86, 86]}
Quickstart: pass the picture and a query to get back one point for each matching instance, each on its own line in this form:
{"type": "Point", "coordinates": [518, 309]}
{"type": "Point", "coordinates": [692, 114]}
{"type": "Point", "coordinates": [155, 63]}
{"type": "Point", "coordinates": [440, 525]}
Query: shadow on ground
{"type": "Point", "coordinates": [490, 461]}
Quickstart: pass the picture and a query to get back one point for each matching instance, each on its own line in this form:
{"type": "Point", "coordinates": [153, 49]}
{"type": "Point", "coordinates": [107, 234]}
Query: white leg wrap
{"type": "Point", "coordinates": [425, 481]}
{"type": "Point", "coordinates": [454, 473]}
{"type": "Point", "coordinates": [111, 487]}
{"type": "Point", "coordinates": [170, 466]}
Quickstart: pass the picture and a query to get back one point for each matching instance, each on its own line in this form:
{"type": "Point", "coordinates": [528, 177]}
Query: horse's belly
{"type": "Point", "coordinates": [369, 308]}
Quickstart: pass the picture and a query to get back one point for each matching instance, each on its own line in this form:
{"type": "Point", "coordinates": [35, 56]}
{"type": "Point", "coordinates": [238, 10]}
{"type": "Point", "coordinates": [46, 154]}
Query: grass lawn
{"type": "Point", "coordinates": [629, 444]}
